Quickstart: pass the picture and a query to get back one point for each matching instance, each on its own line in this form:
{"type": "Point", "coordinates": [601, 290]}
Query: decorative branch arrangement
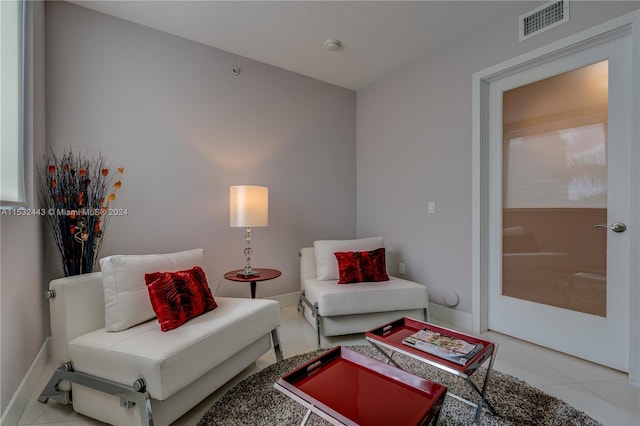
{"type": "Point", "coordinates": [76, 191]}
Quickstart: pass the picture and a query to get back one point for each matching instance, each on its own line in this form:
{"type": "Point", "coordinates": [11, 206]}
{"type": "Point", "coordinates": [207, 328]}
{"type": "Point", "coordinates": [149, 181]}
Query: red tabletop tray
{"type": "Point", "coordinates": [357, 390]}
{"type": "Point", "coordinates": [391, 334]}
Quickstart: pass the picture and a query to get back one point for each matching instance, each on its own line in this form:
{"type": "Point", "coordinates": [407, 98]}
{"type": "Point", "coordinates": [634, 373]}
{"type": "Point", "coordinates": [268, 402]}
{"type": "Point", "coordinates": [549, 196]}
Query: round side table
{"type": "Point", "coordinates": [263, 274]}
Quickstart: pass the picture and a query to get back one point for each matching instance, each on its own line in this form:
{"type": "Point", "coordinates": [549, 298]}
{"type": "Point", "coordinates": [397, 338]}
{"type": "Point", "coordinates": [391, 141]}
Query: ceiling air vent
{"type": "Point", "coordinates": [543, 18]}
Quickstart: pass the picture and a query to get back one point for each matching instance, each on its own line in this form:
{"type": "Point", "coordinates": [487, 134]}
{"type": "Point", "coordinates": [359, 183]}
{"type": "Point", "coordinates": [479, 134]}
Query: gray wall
{"type": "Point", "coordinates": [414, 145]}
{"type": "Point", "coordinates": [170, 111]}
{"type": "Point", "coordinates": [21, 299]}
{"type": "Point", "coordinates": [22, 303]}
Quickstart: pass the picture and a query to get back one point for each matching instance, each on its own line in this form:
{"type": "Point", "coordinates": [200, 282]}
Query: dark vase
{"type": "Point", "coordinates": [78, 246]}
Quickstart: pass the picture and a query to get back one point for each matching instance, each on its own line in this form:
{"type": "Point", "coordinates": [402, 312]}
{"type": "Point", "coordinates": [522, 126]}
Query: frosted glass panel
{"type": "Point", "coordinates": [555, 190]}
{"type": "Point", "coordinates": [560, 168]}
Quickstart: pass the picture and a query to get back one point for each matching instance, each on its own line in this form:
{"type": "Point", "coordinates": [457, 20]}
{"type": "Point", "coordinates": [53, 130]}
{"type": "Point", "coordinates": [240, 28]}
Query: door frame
{"type": "Point", "coordinates": [625, 24]}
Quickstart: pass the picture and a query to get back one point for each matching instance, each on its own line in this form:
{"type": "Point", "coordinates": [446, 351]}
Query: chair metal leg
{"type": "Point", "coordinates": [277, 349]}
{"type": "Point", "coordinates": [302, 302]}
{"type": "Point", "coordinates": [129, 395]}
{"type": "Point", "coordinates": [425, 314]}
{"type": "Point", "coordinates": [52, 389]}
{"type": "Point", "coordinates": [318, 344]}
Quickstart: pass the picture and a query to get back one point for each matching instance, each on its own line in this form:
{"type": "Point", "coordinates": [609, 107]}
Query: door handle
{"type": "Point", "coordinates": [615, 227]}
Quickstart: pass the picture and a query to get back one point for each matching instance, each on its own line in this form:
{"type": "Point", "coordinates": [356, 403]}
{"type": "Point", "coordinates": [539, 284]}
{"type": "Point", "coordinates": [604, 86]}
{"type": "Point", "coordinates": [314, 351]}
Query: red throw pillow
{"type": "Point", "coordinates": [177, 297]}
{"type": "Point", "coordinates": [363, 266]}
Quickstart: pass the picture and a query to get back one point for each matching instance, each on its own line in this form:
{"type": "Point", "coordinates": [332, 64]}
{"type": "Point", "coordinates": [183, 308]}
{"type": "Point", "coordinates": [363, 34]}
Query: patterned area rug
{"type": "Point", "coordinates": [254, 401]}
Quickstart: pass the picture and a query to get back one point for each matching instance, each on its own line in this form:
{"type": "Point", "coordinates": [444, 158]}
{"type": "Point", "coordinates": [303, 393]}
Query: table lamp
{"type": "Point", "coordinates": [248, 207]}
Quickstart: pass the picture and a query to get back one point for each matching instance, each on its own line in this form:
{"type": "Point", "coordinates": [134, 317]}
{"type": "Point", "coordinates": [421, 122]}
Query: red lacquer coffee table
{"type": "Point", "coordinates": [347, 388]}
{"type": "Point", "coordinates": [390, 336]}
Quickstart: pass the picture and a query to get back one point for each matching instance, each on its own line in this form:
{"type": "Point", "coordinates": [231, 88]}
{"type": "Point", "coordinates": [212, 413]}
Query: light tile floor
{"type": "Point", "coordinates": [602, 393]}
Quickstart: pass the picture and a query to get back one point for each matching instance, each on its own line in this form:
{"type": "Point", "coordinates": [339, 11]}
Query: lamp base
{"type": "Point", "coordinates": [243, 274]}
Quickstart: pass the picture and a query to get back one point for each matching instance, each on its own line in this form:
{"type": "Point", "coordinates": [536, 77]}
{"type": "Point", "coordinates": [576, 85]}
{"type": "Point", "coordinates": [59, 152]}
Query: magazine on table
{"type": "Point", "coordinates": [450, 348]}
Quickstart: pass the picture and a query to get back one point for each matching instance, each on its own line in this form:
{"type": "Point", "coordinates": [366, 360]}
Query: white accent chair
{"type": "Point", "coordinates": [335, 309]}
{"type": "Point", "coordinates": [142, 375]}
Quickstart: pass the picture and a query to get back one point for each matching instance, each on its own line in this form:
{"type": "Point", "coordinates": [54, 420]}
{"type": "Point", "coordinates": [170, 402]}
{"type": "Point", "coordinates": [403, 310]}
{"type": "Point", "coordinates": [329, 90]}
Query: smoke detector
{"type": "Point", "coordinates": [332, 44]}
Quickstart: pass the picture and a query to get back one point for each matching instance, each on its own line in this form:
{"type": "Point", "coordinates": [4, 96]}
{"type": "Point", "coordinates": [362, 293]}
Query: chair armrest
{"type": "Point", "coordinates": [76, 308]}
{"type": "Point", "coordinates": [307, 265]}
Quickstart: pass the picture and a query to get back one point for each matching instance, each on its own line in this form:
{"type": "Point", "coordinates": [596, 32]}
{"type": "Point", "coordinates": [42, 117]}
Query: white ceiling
{"type": "Point", "coordinates": [379, 37]}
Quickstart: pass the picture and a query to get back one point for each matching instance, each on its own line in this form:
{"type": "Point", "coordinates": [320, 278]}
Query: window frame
{"type": "Point", "coordinates": [25, 198]}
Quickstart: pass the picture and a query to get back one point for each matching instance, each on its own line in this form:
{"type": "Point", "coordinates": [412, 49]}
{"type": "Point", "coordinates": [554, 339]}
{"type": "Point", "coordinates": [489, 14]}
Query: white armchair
{"type": "Point", "coordinates": [141, 375]}
{"type": "Point", "coordinates": [335, 309]}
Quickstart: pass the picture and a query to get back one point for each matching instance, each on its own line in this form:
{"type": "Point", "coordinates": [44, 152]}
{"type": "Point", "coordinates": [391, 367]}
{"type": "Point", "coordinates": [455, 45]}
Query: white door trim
{"type": "Point", "coordinates": [625, 24]}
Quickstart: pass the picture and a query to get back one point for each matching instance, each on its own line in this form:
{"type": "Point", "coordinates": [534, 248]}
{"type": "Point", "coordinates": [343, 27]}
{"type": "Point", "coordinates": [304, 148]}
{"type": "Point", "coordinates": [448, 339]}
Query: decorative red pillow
{"type": "Point", "coordinates": [177, 297]}
{"type": "Point", "coordinates": [363, 266]}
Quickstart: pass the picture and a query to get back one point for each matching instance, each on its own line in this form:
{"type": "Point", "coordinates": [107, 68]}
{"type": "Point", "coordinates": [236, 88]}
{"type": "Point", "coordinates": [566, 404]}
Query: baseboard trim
{"type": "Point", "coordinates": [20, 399]}
{"type": "Point", "coordinates": [448, 316]}
{"type": "Point", "coordinates": [287, 299]}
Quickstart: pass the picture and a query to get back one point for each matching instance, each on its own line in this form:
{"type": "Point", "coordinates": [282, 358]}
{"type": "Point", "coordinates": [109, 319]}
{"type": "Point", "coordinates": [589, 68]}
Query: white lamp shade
{"type": "Point", "coordinates": [248, 206]}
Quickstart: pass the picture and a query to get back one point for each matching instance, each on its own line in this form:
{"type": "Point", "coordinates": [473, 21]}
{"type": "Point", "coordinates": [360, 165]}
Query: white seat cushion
{"type": "Point", "coordinates": [361, 298]}
{"type": "Point", "coordinates": [171, 360]}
